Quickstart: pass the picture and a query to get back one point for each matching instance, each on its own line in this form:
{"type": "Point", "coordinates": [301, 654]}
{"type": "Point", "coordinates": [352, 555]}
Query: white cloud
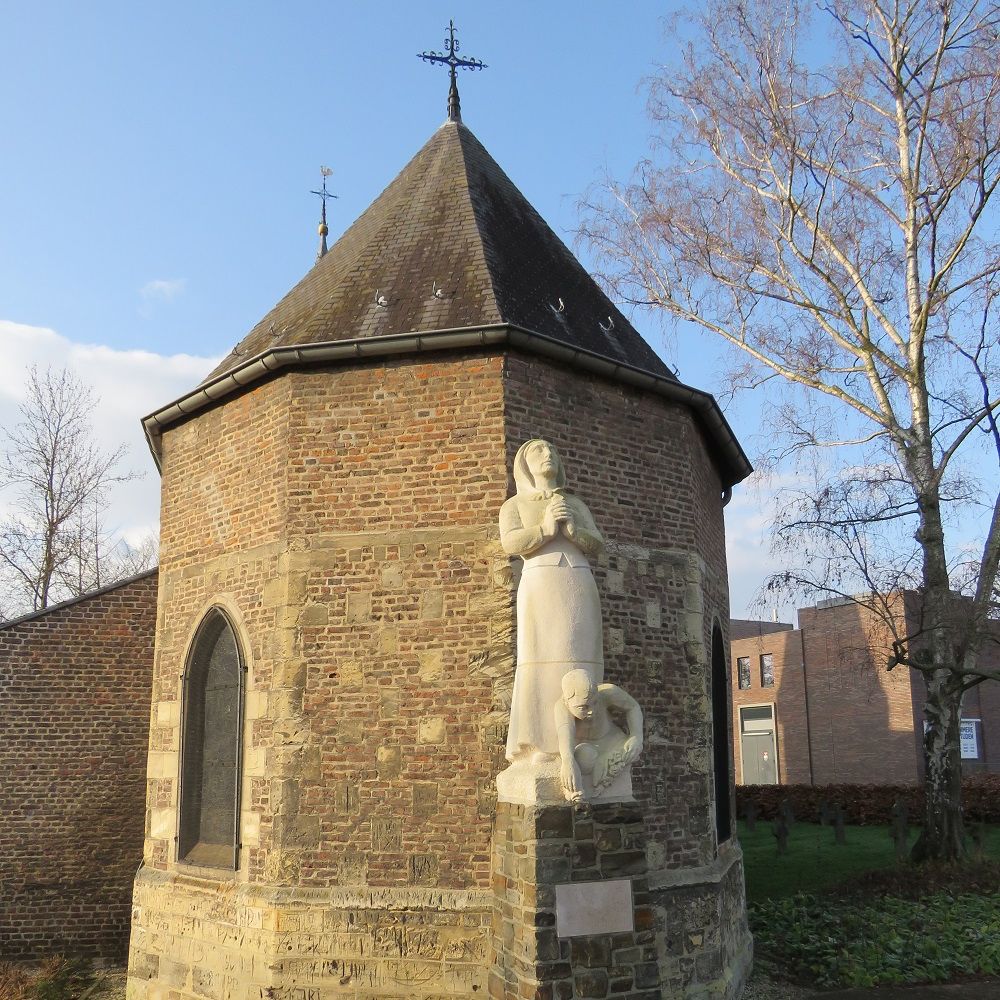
{"type": "Point", "coordinates": [162, 289]}
{"type": "Point", "coordinates": [128, 384]}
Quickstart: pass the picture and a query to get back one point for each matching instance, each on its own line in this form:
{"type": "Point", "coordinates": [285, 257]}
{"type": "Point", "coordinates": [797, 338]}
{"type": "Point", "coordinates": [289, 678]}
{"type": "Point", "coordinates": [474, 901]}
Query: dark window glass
{"type": "Point", "coordinates": [743, 666]}
{"type": "Point", "coordinates": [721, 750]}
{"type": "Point", "coordinates": [766, 670]}
{"type": "Point", "coordinates": [210, 748]}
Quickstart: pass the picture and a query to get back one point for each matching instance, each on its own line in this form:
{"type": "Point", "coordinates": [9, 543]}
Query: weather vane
{"type": "Point", "coordinates": [324, 195]}
{"type": "Point", "coordinates": [452, 60]}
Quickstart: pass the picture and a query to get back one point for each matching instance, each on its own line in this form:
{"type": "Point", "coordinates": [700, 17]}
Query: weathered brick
{"type": "Point", "coordinates": [75, 719]}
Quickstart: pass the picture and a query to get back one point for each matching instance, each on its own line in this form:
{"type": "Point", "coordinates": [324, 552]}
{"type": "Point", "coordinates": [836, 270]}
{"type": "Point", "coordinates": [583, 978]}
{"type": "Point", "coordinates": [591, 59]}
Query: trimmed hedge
{"type": "Point", "coordinates": [868, 805]}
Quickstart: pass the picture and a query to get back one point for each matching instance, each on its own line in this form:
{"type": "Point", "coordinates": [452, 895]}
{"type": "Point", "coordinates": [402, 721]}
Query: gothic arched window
{"type": "Point", "coordinates": [211, 745]}
{"type": "Point", "coordinates": [720, 736]}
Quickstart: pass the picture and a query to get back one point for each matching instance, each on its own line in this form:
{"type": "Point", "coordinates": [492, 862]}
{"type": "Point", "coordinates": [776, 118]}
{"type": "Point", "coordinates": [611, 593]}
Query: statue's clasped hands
{"type": "Point", "coordinates": [558, 513]}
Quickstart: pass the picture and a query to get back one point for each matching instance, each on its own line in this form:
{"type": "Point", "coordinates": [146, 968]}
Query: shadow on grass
{"type": "Point", "coordinates": [816, 864]}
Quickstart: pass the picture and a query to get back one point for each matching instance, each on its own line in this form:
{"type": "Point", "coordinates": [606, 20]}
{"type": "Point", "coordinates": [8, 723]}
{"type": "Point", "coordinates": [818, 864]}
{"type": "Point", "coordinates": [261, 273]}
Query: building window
{"type": "Point", "coordinates": [211, 737]}
{"type": "Point", "coordinates": [766, 670]}
{"type": "Point", "coordinates": [743, 669]}
{"type": "Point", "coordinates": [721, 751]}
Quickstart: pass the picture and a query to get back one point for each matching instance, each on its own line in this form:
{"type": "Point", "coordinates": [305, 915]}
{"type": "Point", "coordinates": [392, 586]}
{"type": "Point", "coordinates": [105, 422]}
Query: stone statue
{"type": "Point", "coordinates": [558, 619]}
{"type": "Point", "coordinates": [596, 754]}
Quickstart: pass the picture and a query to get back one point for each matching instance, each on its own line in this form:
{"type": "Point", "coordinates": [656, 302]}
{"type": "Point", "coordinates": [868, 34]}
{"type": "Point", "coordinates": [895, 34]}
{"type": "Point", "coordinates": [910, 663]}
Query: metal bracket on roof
{"type": "Point", "coordinates": [438, 292]}
{"type": "Point", "coordinates": [560, 308]}
{"type": "Point", "coordinates": [609, 327]}
{"type": "Point", "coordinates": [380, 299]}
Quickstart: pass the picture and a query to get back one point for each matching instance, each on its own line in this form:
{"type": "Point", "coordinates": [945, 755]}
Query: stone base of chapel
{"type": "Point", "coordinates": [196, 938]}
{"type": "Point", "coordinates": [577, 913]}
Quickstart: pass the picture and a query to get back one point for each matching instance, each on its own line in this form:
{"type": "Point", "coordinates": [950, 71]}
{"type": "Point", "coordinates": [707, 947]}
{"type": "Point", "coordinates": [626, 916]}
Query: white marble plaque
{"type": "Point", "coordinates": [594, 908]}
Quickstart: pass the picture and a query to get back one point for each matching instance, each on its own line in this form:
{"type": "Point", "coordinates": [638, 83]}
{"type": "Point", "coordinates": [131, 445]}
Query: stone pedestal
{"type": "Point", "coordinates": [534, 782]}
{"type": "Point", "coordinates": [572, 911]}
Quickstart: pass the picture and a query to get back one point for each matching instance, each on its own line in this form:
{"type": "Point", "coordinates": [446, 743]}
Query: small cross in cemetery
{"type": "Point", "coordinates": [976, 836]}
{"type": "Point", "coordinates": [453, 61]}
{"type": "Point", "coordinates": [779, 830]}
{"type": "Point", "coordinates": [787, 813]}
{"type": "Point", "coordinates": [900, 831]}
{"type": "Point", "coordinates": [839, 819]}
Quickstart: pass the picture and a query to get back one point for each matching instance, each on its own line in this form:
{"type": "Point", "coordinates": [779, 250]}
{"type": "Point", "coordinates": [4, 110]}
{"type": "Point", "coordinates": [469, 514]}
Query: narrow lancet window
{"type": "Point", "coordinates": [720, 736]}
{"type": "Point", "coordinates": [211, 746]}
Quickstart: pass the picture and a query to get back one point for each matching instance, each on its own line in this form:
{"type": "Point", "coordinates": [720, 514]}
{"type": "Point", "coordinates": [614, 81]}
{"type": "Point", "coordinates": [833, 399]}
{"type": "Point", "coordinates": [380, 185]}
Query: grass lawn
{"type": "Point", "coordinates": [815, 863]}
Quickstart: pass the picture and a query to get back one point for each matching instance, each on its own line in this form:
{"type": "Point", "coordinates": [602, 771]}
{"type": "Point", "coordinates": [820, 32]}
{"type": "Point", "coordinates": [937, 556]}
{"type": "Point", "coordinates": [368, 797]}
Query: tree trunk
{"type": "Point", "coordinates": [942, 838]}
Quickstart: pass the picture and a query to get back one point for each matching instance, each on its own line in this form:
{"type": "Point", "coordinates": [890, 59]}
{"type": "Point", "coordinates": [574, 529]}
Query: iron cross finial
{"type": "Point", "coordinates": [324, 196]}
{"type": "Point", "coordinates": [453, 61]}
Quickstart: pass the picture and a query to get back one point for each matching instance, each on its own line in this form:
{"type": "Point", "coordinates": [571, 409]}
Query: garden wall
{"type": "Point", "coordinates": [74, 724]}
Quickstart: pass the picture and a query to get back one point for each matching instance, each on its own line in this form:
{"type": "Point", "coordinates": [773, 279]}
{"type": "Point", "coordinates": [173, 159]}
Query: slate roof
{"type": "Point", "coordinates": [453, 221]}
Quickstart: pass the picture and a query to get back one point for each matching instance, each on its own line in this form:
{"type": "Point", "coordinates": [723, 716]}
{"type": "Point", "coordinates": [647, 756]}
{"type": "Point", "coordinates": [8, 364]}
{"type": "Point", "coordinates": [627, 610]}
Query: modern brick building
{"type": "Point", "coordinates": [334, 649]}
{"type": "Point", "coordinates": [75, 685]}
{"type": "Point", "coordinates": [815, 704]}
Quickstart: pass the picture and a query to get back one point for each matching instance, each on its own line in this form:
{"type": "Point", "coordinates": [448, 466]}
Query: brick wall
{"type": "Point", "coordinates": [787, 698]}
{"type": "Point", "coordinates": [862, 716]}
{"type": "Point", "coordinates": [841, 718]}
{"type": "Point", "coordinates": [74, 721]}
{"type": "Point", "coordinates": [375, 607]}
{"type": "Point", "coordinates": [864, 723]}
{"type": "Point", "coordinates": [384, 590]}
{"type": "Point", "coordinates": [363, 592]}
{"type": "Point", "coordinates": [644, 470]}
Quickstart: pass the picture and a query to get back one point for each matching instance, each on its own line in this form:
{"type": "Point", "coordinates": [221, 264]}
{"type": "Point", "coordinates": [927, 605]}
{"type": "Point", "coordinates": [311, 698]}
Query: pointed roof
{"type": "Point", "coordinates": [451, 243]}
{"type": "Point", "coordinates": [451, 257]}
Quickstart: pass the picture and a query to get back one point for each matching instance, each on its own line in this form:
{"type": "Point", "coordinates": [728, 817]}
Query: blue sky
{"type": "Point", "coordinates": [157, 162]}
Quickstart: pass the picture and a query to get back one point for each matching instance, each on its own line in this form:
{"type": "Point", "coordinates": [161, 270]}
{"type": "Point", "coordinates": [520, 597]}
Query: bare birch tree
{"type": "Point", "coordinates": [820, 198]}
{"type": "Point", "coordinates": [54, 482]}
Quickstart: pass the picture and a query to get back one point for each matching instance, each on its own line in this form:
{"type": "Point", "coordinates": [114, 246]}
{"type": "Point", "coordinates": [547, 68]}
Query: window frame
{"type": "Point", "coordinates": [233, 863]}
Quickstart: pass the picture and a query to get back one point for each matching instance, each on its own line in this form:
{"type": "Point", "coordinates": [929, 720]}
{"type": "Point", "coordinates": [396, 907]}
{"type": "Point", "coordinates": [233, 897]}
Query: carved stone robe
{"type": "Point", "coordinates": [558, 615]}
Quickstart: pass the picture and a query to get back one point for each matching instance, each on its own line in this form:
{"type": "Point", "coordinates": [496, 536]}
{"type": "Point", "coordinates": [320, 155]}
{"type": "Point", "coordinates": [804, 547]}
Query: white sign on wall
{"type": "Point", "coordinates": [584, 908]}
{"type": "Point", "coordinates": [969, 739]}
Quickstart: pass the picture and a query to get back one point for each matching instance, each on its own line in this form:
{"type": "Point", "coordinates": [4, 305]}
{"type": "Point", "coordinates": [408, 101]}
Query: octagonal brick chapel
{"type": "Point", "coordinates": [335, 644]}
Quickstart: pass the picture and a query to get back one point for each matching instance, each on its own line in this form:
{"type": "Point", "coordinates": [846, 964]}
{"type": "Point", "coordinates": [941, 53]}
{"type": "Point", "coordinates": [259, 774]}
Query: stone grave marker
{"type": "Point", "coordinates": [825, 813]}
{"type": "Point", "coordinates": [787, 813]}
{"type": "Point", "coordinates": [976, 836]}
{"type": "Point", "coordinates": [899, 830]}
{"type": "Point", "coordinates": [839, 818]}
{"type": "Point", "coordinates": [779, 829]}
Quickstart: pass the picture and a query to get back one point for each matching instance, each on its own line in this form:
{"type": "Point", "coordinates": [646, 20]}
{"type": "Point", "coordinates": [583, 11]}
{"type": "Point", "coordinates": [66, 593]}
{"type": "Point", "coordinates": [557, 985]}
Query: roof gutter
{"type": "Point", "coordinates": [735, 464]}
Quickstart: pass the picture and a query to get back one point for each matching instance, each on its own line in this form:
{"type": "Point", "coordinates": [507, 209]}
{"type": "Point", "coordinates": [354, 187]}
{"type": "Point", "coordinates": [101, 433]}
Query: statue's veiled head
{"type": "Point", "coordinates": [537, 460]}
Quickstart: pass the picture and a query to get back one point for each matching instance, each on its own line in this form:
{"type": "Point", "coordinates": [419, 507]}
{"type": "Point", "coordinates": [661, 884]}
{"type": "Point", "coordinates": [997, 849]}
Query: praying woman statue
{"type": "Point", "coordinates": [558, 608]}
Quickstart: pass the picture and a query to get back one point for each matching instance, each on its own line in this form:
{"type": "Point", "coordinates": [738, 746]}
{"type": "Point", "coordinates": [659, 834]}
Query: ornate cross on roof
{"type": "Point", "coordinates": [324, 195]}
{"type": "Point", "coordinates": [453, 61]}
